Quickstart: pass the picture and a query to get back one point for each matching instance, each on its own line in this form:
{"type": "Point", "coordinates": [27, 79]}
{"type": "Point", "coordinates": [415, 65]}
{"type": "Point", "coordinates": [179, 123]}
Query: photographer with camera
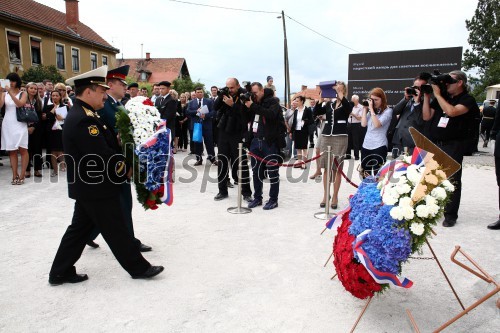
{"type": "Point", "coordinates": [451, 115]}
{"type": "Point", "coordinates": [267, 126]}
{"type": "Point", "coordinates": [409, 113]}
{"type": "Point", "coordinates": [231, 127]}
{"type": "Point", "coordinates": [376, 118]}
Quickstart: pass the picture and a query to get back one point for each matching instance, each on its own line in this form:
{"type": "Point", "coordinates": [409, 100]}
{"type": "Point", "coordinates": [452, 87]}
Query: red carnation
{"type": "Point", "coordinates": [147, 101]}
{"type": "Point", "coordinates": [353, 276]}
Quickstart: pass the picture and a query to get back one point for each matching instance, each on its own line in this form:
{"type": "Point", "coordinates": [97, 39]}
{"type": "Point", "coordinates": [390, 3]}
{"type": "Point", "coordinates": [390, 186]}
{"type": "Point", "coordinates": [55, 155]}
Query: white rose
{"type": "Point", "coordinates": [422, 211]}
{"type": "Point", "coordinates": [439, 193]}
{"type": "Point", "coordinates": [417, 228]}
{"type": "Point", "coordinates": [405, 201]}
{"type": "Point", "coordinates": [408, 212]}
{"type": "Point", "coordinates": [396, 213]}
{"type": "Point", "coordinates": [433, 210]}
{"type": "Point", "coordinates": [403, 188]}
{"type": "Point", "coordinates": [448, 186]}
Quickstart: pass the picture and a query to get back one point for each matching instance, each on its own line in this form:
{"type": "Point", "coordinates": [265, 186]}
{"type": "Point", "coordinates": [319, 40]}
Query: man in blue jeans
{"type": "Point", "coordinates": [265, 118]}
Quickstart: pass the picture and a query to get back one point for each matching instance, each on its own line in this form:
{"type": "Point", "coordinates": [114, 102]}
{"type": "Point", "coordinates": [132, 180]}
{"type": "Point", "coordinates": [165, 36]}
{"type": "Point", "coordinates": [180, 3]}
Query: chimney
{"type": "Point", "coordinates": [72, 18]}
{"type": "Point", "coordinates": [148, 56]}
{"type": "Point", "coordinates": [303, 88]}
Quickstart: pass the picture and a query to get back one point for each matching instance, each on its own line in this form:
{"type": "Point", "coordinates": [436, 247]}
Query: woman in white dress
{"type": "Point", "coordinates": [14, 133]}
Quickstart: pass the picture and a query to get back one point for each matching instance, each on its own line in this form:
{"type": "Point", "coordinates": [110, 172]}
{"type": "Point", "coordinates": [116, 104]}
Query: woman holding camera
{"type": "Point", "coordinates": [302, 117]}
{"type": "Point", "coordinates": [334, 134]}
{"type": "Point", "coordinates": [377, 118]}
{"type": "Point", "coordinates": [14, 133]}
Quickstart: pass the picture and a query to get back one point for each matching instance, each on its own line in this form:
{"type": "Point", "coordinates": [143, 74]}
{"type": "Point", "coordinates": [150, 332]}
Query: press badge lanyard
{"type": "Point", "coordinates": [255, 125]}
{"type": "Point", "coordinates": [443, 122]}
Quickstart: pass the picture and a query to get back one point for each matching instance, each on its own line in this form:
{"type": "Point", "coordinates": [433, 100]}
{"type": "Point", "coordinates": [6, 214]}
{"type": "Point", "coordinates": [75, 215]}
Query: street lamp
{"type": "Point", "coordinates": [287, 70]}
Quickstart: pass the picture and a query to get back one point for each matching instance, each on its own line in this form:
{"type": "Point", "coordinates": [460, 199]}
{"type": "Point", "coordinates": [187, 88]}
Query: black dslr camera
{"type": "Point", "coordinates": [245, 97]}
{"type": "Point", "coordinates": [436, 78]}
{"type": "Point", "coordinates": [412, 91]}
{"type": "Point", "coordinates": [365, 102]}
{"type": "Point", "coordinates": [223, 92]}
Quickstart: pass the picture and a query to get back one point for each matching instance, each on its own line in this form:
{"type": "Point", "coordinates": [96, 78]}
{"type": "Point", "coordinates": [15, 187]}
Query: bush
{"type": "Point", "coordinates": [41, 72]}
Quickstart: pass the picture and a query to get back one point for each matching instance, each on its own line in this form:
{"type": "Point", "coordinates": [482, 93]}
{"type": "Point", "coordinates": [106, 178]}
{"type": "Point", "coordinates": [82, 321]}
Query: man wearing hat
{"type": "Point", "coordinates": [95, 170]}
{"type": "Point", "coordinates": [167, 106]}
{"type": "Point", "coordinates": [115, 79]}
{"type": "Point", "coordinates": [133, 91]}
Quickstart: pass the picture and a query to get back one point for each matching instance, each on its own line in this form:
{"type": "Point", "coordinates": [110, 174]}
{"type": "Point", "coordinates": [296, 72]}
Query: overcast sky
{"type": "Point", "coordinates": [219, 43]}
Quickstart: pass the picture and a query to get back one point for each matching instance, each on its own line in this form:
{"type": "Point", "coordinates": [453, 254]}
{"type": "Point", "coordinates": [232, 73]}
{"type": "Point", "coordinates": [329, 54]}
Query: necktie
{"type": "Point", "coordinates": [199, 103]}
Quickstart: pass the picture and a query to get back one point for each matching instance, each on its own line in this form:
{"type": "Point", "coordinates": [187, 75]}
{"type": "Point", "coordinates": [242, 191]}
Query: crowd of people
{"type": "Point", "coordinates": [368, 130]}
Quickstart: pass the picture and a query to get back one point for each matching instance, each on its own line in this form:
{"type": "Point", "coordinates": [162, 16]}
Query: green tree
{"type": "Point", "coordinates": [41, 72]}
{"type": "Point", "coordinates": [484, 38]}
{"type": "Point", "coordinates": [187, 85]}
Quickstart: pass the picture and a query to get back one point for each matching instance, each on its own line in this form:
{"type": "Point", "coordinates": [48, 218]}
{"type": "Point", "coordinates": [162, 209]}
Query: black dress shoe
{"type": "Point", "coordinates": [495, 225]}
{"type": "Point", "coordinates": [247, 198]}
{"type": "Point", "coordinates": [92, 244]}
{"type": "Point", "coordinates": [449, 222]}
{"type": "Point", "coordinates": [149, 273]}
{"type": "Point", "coordinates": [198, 163]}
{"type": "Point", "coordinates": [229, 184]}
{"type": "Point", "coordinates": [144, 248]}
{"type": "Point", "coordinates": [220, 196]}
{"type": "Point", "coordinates": [254, 203]}
{"type": "Point", "coordinates": [76, 278]}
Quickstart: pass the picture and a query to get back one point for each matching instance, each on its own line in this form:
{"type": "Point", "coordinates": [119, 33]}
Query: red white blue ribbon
{"type": "Point", "coordinates": [378, 276]}
{"type": "Point", "coordinates": [168, 192]}
{"type": "Point", "coordinates": [336, 220]}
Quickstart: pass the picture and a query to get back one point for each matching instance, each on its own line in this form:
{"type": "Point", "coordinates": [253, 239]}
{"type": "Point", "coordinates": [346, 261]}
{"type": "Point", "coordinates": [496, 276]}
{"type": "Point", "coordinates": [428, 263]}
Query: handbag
{"type": "Point", "coordinates": [197, 132]}
{"type": "Point", "coordinates": [26, 113]}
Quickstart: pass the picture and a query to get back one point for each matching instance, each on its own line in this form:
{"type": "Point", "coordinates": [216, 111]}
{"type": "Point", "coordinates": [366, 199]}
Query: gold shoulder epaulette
{"type": "Point", "coordinates": [88, 112]}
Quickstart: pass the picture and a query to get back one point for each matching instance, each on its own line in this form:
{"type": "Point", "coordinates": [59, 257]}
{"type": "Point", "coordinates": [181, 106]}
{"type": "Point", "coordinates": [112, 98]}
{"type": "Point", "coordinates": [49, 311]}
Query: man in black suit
{"type": "Point", "coordinates": [167, 106]}
{"type": "Point", "coordinates": [196, 111]}
{"type": "Point", "coordinates": [95, 170]}
{"type": "Point", "coordinates": [409, 114]}
{"type": "Point", "coordinates": [495, 135]}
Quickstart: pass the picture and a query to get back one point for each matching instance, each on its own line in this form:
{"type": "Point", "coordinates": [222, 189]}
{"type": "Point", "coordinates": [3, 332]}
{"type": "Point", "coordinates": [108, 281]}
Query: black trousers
{"type": "Point", "coordinates": [356, 134]}
{"type": "Point", "coordinates": [183, 136]}
{"type": "Point", "coordinates": [227, 154]}
{"type": "Point", "coordinates": [108, 216]}
{"type": "Point", "coordinates": [373, 159]}
{"type": "Point", "coordinates": [126, 205]}
{"type": "Point", "coordinates": [455, 149]}
{"type": "Point", "coordinates": [35, 149]}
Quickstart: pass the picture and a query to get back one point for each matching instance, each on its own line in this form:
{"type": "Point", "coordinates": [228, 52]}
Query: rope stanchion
{"type": "Point", "coordinates": [238, 209]}
{"type": "Point", "coordinates": [326, 215]}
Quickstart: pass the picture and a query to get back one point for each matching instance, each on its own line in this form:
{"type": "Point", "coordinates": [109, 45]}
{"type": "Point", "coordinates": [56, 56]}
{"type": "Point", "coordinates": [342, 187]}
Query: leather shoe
{"type": "Point", "coordinates": [149, 273]}
{"type": "Point", "coordinates": [229, 184]}
{"type": "Point", "coordinates": [198, 163]}
{"type": "Point", "coordinates": [215, 162]}
{"type": "Point", "coordinates": [495, 225]}
{"type": "Point", "coordinates": [92, 244]}
{"type": "Point", "coordinates": [271, 204]}
{"type": "Point", "coordinates": [220, 196]}
{"type": "Point", "coordinates": [247, 198]}
{"type": "Point", "coordinates": [254, 203]}
{"type": "Point", "coordinates": [75, 278]}
{"type": "Point", "coordinates": [449, 222]}
{"type": "Point", "coordinates": [145, 248]}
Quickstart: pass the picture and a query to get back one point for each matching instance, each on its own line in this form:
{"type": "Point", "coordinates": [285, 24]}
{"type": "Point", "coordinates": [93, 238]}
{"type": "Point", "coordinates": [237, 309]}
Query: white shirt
{"type": "Point", "coordinates": [299, 123]}
{"type": "Point", "coordinates": [358, 111]}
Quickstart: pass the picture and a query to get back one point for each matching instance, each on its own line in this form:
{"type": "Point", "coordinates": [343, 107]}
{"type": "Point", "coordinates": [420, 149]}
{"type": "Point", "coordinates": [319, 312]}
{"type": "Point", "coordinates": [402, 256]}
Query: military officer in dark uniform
{"type": "Point", "coordinates": [487, 122]}
{"type": "Point", "coordinates": [115, 79]}
{"type": "Point", "coordinates": [95, 169]}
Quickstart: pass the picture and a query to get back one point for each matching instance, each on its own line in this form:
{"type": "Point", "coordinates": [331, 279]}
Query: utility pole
{"type": "Point", "coordinates": [286, 65]}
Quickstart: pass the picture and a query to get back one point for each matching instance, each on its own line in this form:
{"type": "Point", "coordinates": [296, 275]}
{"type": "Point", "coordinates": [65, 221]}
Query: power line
{"type": "Point", "coordinates": [266, 12]}
{"type": "Point", "coordinates": [316, 32]}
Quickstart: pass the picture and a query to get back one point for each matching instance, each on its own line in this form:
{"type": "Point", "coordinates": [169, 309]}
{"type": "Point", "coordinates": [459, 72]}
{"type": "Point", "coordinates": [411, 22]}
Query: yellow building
{"type": "Point", "coordinates": [35, 34]}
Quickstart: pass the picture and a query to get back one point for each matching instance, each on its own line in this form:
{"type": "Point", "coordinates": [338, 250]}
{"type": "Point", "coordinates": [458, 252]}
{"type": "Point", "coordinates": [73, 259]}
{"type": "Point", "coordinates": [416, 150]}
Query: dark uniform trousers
{"type": "Point", "coordinates": [126, 205]}
{"type": "Point", "coordinates": [227, 155]}
{"type": "Point", "coordinates": [454, 148]}
{"type": "Point", "coordinates": [107, 215]}
{"type": "Point", "coordinates": [269, 152]}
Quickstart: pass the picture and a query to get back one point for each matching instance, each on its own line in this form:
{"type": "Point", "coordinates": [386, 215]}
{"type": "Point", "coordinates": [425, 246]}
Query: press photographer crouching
{"type": "Point", "coordinates": [451, 115]}
{"type": "Point", "coordinates": [409, 113]}
{"type": "Point", "coordinates": [231, 128]}
{"type": "Point", "coordinates": [266, 125]}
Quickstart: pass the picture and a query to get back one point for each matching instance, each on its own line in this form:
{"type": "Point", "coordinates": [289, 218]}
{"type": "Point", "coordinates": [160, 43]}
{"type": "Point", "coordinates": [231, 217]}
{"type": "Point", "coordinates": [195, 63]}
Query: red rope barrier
{"type": "Point", "coordinates": [343, 174]}
{"type": "Point", "coordinates": [287, 165]}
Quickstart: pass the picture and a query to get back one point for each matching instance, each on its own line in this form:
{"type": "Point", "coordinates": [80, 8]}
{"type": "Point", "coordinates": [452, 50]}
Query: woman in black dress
{"type": "Point", "coordinates": [302, 117]}
{"type": "Point", "coordinates": [56, 122]}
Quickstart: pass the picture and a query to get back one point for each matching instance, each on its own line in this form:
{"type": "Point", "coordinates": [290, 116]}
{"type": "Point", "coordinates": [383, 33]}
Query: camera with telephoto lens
{"type": "Point", "coordinates": [436, 78]}
{"type": "Point", "coordinates": [223, 92]}
{"type": "Point", "coordinates": [412, 91]}
{"type": "Point", "coordinates": [245, 97]}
